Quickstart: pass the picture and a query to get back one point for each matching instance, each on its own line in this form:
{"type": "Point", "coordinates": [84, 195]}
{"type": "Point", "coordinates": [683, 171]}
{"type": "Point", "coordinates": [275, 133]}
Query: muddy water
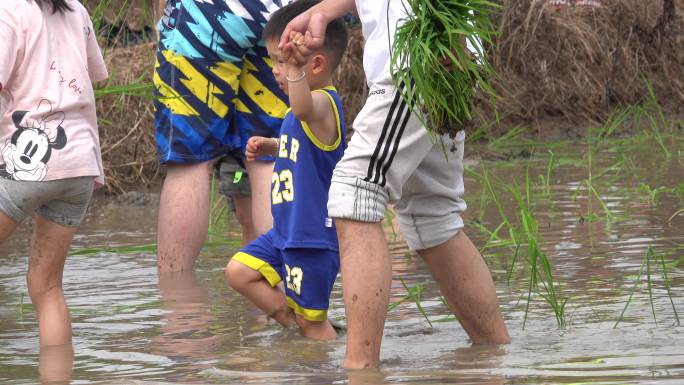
{"type": "Point", "coordinates": [131, 326]}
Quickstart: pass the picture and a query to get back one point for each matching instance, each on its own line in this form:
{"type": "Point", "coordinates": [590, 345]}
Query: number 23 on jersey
{"type": "Point", "coordinates": [283, 187]}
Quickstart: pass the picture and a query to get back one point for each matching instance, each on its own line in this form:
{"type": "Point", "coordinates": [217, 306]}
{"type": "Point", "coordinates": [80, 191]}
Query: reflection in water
{"type": "Point", "coordinates": [366, 377]}
{"type": "Point", "coordinates": [185, 335]}
{"type": "Point", "coordinates": [56, 364]}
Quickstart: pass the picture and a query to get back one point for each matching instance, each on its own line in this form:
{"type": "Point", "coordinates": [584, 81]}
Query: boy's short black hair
{"type": "Point", "coordinates": [335, 35]}
{"type": "Point", "coordinates": [57, 5]}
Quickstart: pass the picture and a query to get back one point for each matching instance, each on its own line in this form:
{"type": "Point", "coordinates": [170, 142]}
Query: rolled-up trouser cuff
{"type": "Point", "coordinates": [423, 233]}
{"type": "Point", "coordinates": [356, 199]}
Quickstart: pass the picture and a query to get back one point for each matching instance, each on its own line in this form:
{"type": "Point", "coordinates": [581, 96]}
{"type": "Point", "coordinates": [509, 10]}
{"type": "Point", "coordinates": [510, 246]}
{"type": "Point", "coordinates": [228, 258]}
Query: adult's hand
{"type": "Point", "coordinates": [312, 24]}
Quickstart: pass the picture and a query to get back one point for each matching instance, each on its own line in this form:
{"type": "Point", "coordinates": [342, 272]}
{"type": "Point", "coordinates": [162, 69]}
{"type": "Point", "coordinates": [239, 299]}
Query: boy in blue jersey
{"type": "Point", "coordinates": [302, 248]}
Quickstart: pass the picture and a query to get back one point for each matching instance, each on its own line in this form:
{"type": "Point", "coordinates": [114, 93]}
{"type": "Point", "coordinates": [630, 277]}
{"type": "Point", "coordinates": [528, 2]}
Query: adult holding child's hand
{"type": "Point", "coordinates": [391, 159]}
{"type": "Point", "coordinates": [313, 24]}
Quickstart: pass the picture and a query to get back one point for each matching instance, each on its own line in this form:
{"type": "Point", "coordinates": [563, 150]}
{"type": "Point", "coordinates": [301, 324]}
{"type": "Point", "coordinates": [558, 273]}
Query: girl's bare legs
{"type": "Point", "coordinates": [56, 364]}
{"type": "Point", "coordinates": [49, 246]}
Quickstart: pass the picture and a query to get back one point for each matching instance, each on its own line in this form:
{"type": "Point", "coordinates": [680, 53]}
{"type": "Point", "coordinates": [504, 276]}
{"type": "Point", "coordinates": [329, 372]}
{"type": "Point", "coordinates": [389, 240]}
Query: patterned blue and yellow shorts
{"type": "Point", "coordinates": [213, 79]}
{"type": "Point", "coordinates": [308, 274]}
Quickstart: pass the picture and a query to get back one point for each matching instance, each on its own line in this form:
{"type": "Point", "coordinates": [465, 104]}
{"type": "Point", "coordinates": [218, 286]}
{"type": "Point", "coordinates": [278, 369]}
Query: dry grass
{"type": "Point", "coordinates": [126, 130]}
{"type": "Point", "coordinates": [578, 64]}
{"type": "Point", "coordinates": [350, 79]}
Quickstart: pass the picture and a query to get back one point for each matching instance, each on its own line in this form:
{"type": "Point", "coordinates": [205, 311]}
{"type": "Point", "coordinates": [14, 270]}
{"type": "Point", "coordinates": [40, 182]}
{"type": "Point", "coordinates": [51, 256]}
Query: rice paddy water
{"type": "Point", "coordinates": [584, 239]}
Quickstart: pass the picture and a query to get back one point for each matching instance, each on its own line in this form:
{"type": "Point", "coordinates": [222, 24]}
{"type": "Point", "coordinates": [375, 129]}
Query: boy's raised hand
{"type": "Point", "coordinates": [258, 146]}
{"type": "Point", "coordinates": [296, 54]}
{"type": "Point", "coordinates": [312, 22]}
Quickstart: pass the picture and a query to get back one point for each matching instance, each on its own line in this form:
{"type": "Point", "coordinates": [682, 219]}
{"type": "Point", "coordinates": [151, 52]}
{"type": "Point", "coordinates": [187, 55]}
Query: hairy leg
{"type": "Point", "coordinates": [366, 277]}
{"type": "Point", "coordinates": [260, 174]}
{"type": "Point", "coordinates": [49, 246]}
{"type": "Point", "coordinates": [465, 281]}
{"type": "Point", "coordinates": [183, 216]}
{"type": "Point", "coordinates": [254, 287]}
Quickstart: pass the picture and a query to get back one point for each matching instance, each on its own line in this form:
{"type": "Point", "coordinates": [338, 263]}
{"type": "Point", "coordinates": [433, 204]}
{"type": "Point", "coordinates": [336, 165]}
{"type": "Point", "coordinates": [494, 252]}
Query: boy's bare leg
{"type": "Point", "coordinates": [243, 213]}
{"type": "Point", "coordinates": [49, 246]}
{"type": "Point", "coordinates": [254, 287]}
{"type": "Point", "coordinates": [465, 281]}
{"type": "Point", "coordinates": [183, 218]}
{"type": "Point", "coordinates": [366, 278]}
{"type": "Point", "coordinates": [321, 330]}
{"type": "Point", "coordinates": [260, 174]}
{"type": "Point", "coordinates": [7, 226]}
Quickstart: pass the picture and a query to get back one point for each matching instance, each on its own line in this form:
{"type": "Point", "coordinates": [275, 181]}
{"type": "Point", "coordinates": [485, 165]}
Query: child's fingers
{"type": "Point", "coordinates": [300, 55]}
{"type": "Point", "coordinates": [298, 39]}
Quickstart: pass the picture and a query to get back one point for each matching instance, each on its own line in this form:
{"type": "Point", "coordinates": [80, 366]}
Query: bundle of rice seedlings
{"type": "Point", "coordinates": [430, 55]}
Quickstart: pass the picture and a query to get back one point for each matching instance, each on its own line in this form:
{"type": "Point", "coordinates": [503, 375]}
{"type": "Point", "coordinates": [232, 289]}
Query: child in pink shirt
{"type": "Point", "coordinates": [49, 145]}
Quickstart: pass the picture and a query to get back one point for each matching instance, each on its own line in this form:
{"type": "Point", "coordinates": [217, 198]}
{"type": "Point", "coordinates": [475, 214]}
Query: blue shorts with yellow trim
{"type": "Point", "coordinates": [213, 79]}
{"type": "Point", "coordinates": [308, 274]}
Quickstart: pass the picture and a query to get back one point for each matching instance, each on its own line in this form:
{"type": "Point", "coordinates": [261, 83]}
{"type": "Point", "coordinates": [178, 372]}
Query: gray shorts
{"type": "Point", "coordinates": [233, 181]}
{"type": "Point", "coordinates": [63, 201]}
{"type": "Point", "coordinates": [392, 159]}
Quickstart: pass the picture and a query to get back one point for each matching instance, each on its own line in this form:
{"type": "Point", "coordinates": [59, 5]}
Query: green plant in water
{"type": "Point", "coordinates": [649, 259]}
{"type": "Point", "coordinates": [21, 306]}
{"type": "Point", "coordinates": [217, 212]}
{"type": "Point", "coordinates": [653, 194]}
{"type": "Point", "coordinates": [673, 216]}
{"type": "Point", "coordinates": [679, 192]}
{"type": "Point", "coordinates": [389, 223]}
{"type": "Point", "coordinates": [431, 64]}
{"type": "Point", "coordinates": [416, 292]}
{"type": "Point", "coordinates": [610, 217]}
{"type": "Point", "coordinates": [546, 180]}
{"type": "Point", "coordinates": [413, 293]}
{"type": "Point", "coordinates": [541, 269]}
{"type": "Point", "coordinates": [512, 232]}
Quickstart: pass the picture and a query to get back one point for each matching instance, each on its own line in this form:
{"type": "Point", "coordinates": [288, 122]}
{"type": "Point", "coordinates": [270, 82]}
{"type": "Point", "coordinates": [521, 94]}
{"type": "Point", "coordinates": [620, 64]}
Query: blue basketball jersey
{"type": "Point", "coordinates": [300, 183]}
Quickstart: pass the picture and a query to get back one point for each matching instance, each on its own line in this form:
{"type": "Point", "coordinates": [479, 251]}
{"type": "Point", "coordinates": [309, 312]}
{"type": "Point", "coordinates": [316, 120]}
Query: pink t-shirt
{"type": "Point", "coordinates": [48, 62]}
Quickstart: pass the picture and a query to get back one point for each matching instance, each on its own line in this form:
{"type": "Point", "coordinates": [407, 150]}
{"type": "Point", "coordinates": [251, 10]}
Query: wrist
{"type": "Point", "coordinates": [295, 74]}
{"type": "Point", "coordinates": [294, 70]}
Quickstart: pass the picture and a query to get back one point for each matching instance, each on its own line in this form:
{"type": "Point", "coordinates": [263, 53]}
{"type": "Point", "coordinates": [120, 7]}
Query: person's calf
{"type": "Point", "coordinates": [49, 246]}
{"type": "Point", "coordinates": [317, 330]}
{"type": "Point", "coordinates": [235, 276]}
{"type": "Point", "coordinates": [54, 323]}
{"type": "Point", "coordinates": [253, 286]}
{"type": "Point", "coordinates": [243, 214]}
{"type": "Point", "coordinates": [183, 216]}
{"type": "Point", "coordinates": [7, 226]}
{"type": "Point", "coordinates": [467, 285]}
